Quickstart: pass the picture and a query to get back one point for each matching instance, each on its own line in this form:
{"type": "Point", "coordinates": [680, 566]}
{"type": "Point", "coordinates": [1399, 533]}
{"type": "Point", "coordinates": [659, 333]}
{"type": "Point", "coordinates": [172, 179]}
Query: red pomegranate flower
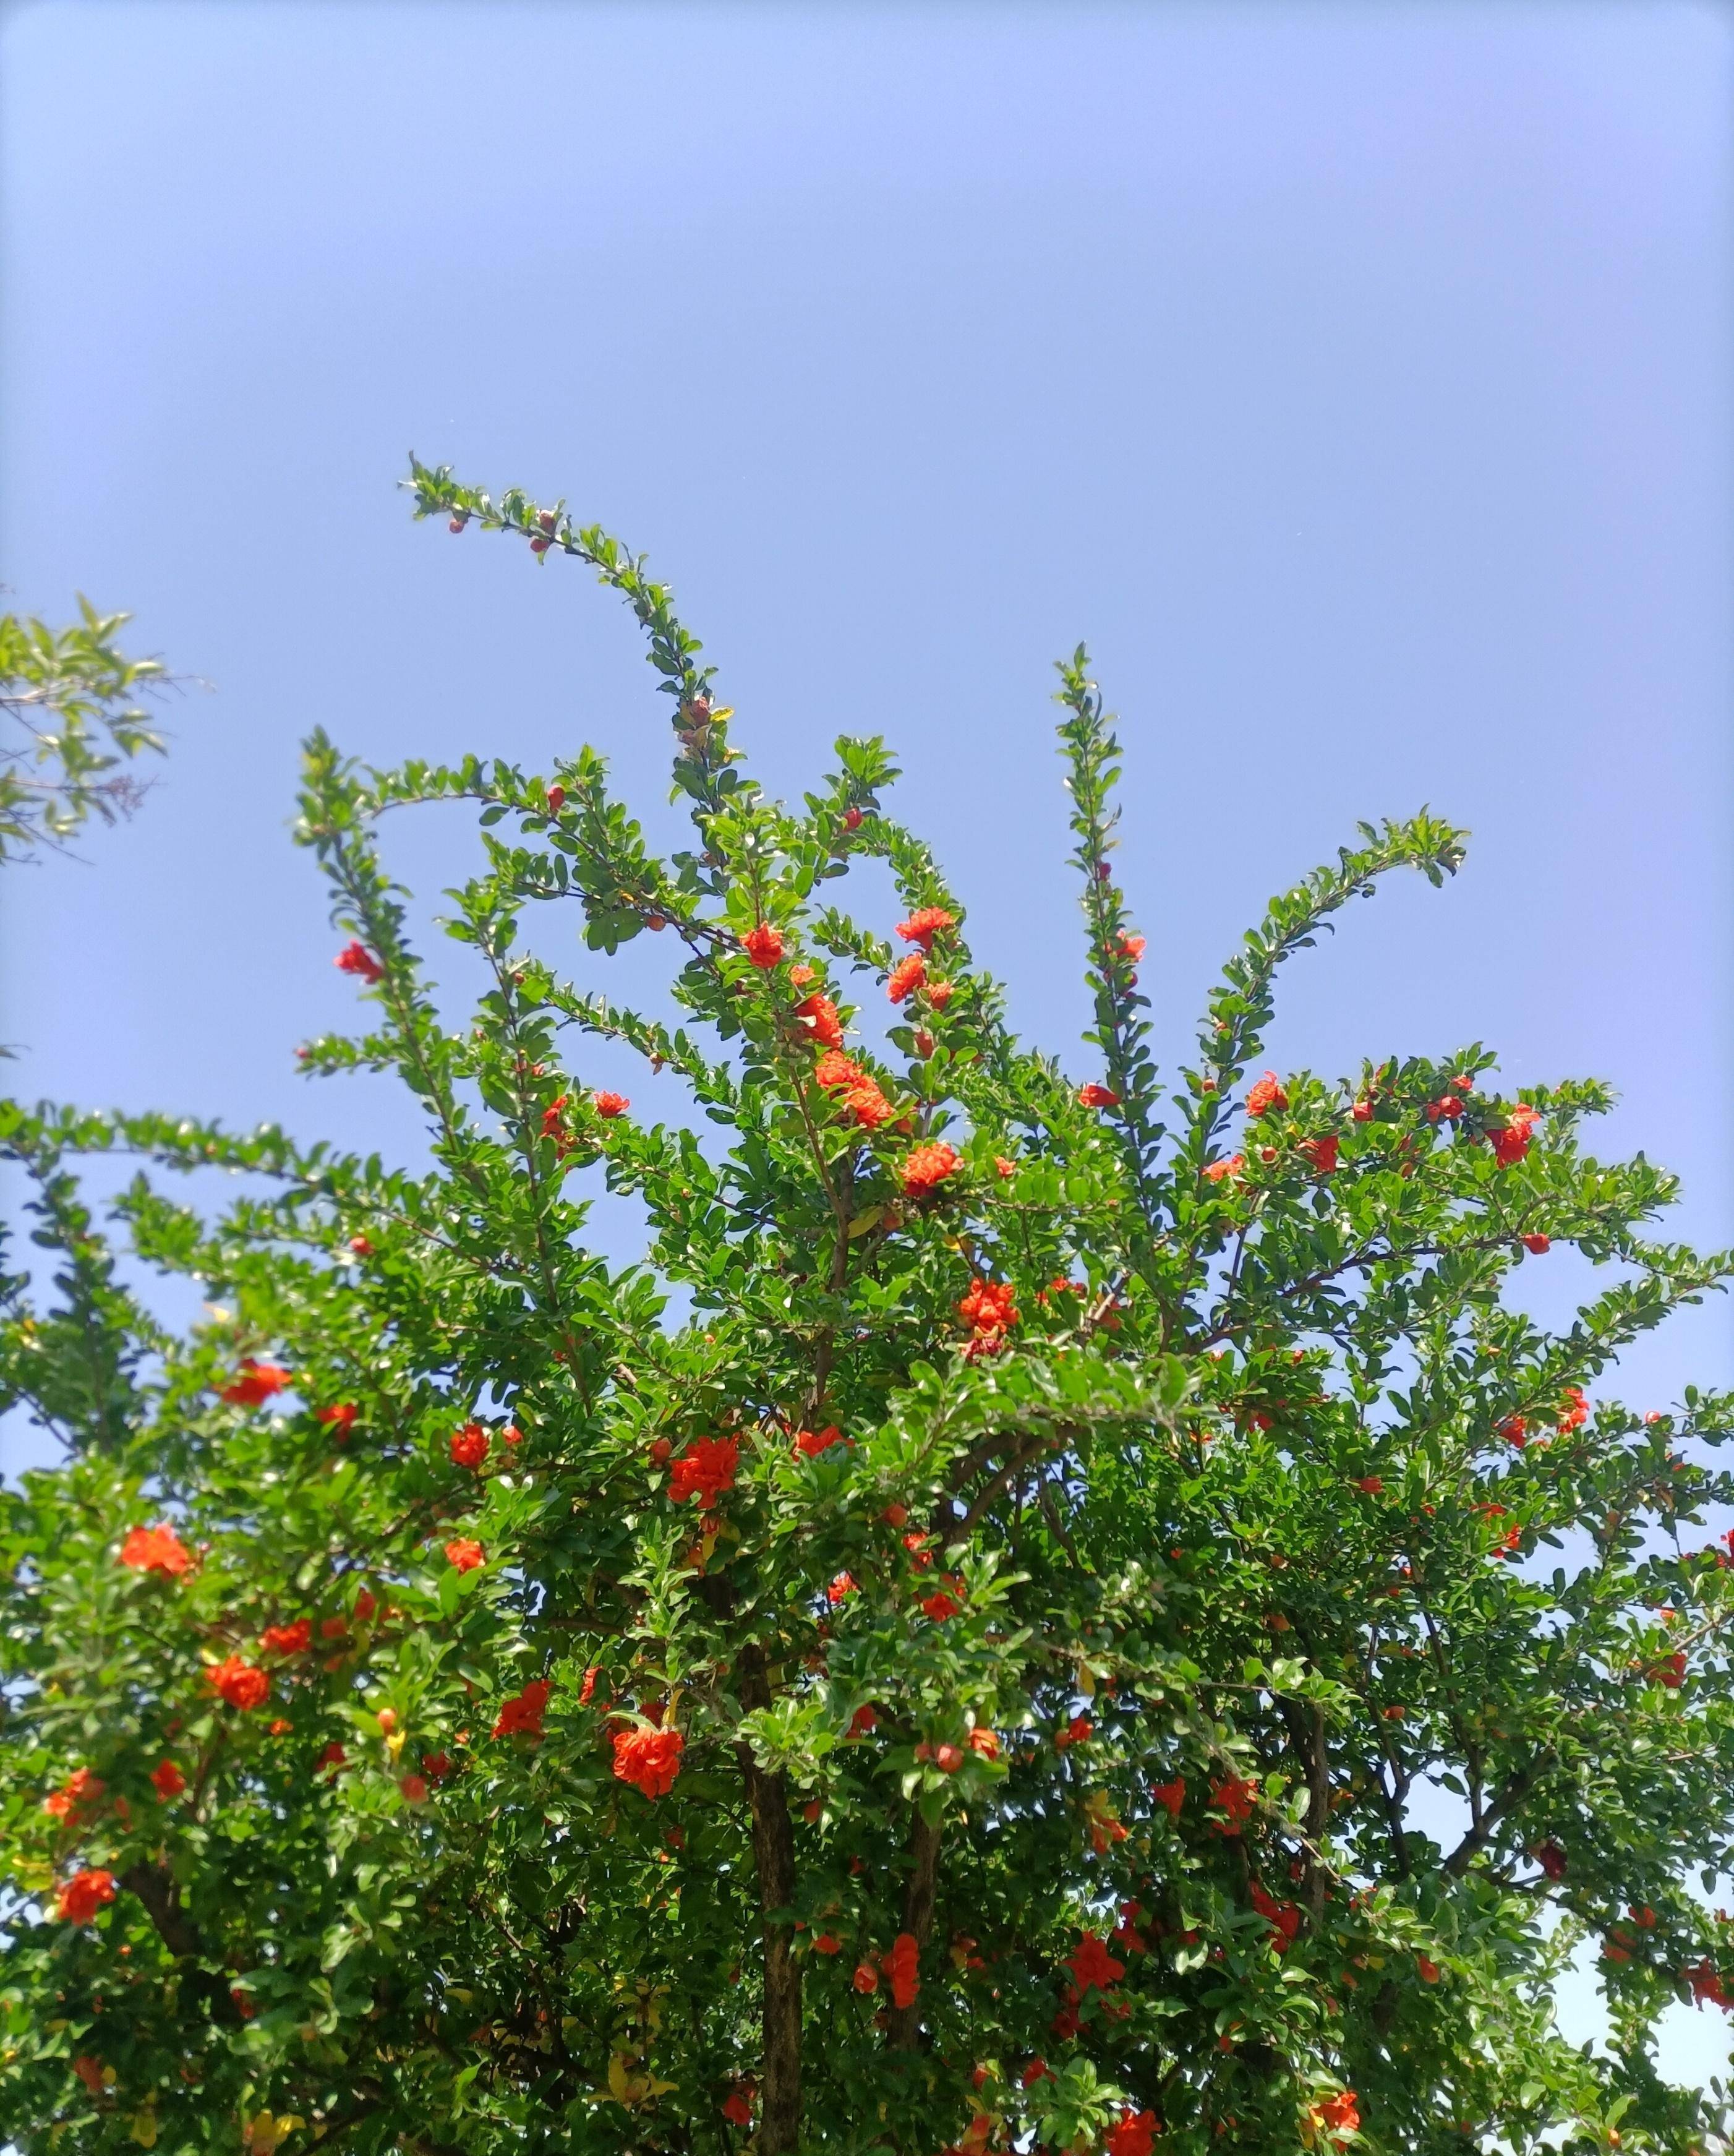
{"type": "Point", "coordinates": [926, 1167]}
{"type": "Point", "coordinates": [988, 1307]}
{"type": "Point", "coordinates": [610, 1105]}
{"type": "Point", "coordinates": [521, 1714]}
{"type": "Point", "coordinates": [357, 958]}
{"type": "Point", "coordinates": [1093, 1095]}
{"type": "Point", "coordinates": [1092, 1966]}
{"type": "Point", "coordinates": [1510, 1141]}
{"type": "Point", "coordinates": [1338, 2114]}
{"type": "Point", "coordinates": [156, 1549]}
{"type": "Point", "coordinates": [649, 1758]}
{"type": "Point", "coordinates": [810, 1443]}
{"type": "Point", "coordinates": [763, 945]}
{"type": "Point", "coordinates": [1172, 1794]}
{"type": "Point", "coordinates": [84, 1894]}
{"type": "Point", "coordinates": [254, 1384]}
{"type": "Point", "coordinates": [900, 1965]}
{"type": "Point", "coordinates": [242, 1685]}
{"type": "Point", "coordinates": [462, 1554]}
{"type": "Point", "coordinates": [907, 975]}
{"type": "Point", "coordinates": [923, 924]}
{"type": "Point", "coordinates": [340, 1419]}
{"type": "Point", "coordinates": [293, 1638]}
{"type": "Point", "coordinates": [1266, 1094]}
{"type": "Point", "coordinates": [868, 1107]}
{"type": "Point", "coordinates": [817, 1013]}
{"type": "Point", "coordinates": [167, 1779]}
{"type": "Point", "coordinates": [1137, 2130]}
{"type": "Point", "coordinates": [1320, 1154]}
{"type": "Point", "coordinates": [468, 1446]}
{"type": "Point", "coordinates": [705, 1471]}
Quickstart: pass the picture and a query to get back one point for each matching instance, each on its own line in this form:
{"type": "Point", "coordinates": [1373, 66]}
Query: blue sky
{"type": "Point", "coordinates": [1354, 380]}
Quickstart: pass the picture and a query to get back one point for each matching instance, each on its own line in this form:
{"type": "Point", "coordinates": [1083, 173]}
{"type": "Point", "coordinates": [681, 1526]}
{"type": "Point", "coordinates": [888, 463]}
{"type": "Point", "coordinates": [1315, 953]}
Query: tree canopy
{"type": "Point", "coordinates": [1048, 1610]}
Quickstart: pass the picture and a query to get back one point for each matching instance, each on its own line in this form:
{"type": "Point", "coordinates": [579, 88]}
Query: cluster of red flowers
{"type": "Point", "coordinates": [1093, 1095]}
{"type": "Point", "coordinates": [901, 1961]}
{"type": "Point", "coordinates": [292, 1638]}
{"type": "Point", "coordinates": [840, 1588]}
{"type": "Point", "coordinates": [649, 1758]}
{"type": "Point", "coordinates": [923, 924]}
{"type": "Point", "coordinates": [1137, 2130]}
{"type": "Point", "coordinates": [906, 976]}
{"type": "Point", "coordinates": [1512, 1142]}
{"type": "Point", "coordinates": [470, 1445]}
{"type": "Point", "coordinates": [705, 1471]}
{"type": "Point", "coordinates": [818, 1014]}
{"type": "Point", "coordinates": [553, 1125]}
{"type": "Point", "coordinates": [1337, 2115]}
{"type": "Point", "coordinates": [1078, 1731]}
{"type": "Point", "coordinates": [1216, 1170]}
{"type": "Point", "coordinates": [989, 1311]}
{"type": "Point", "coordinates": [462, 1554]}
{"type": "Point", "coordinates": [239, 1684]}
{"type": "Point", "coordinates": [76, 1796]}
{"type": "Point", "coordinates": [764, 946]}
{"type": "Point", "coordinates": [254, 1384]}
{"type": "Point", "coordinates": [810, 1443]}
{"type": "Point", "coordinates": [1707, 1982]}
{"type": "Point", "coordinates": [340, 1419]}
{"type": "Point", "coordinates": [1170, 1794]}
{"type": "Point", "coordinates": [1265, 1095]}
{"type": "Point", "coordinates": [1284, 1917]}
{"type": "Point", "coordinates": [521, 1714]}
{"type": "Point", "coordinates": [925, 1166]}
{"type": "Point", "coordinates": [357, 959]}
{"type": "Point", "coordinates": [156, 1549]}
{"type": "Point", "coordinates": [857, 1090]}
{"type": "Point", "coordinates": [167, 1779]}
{"type": "Point", "coordinates": [84, 1894]}
{"type": "Point", "coordinates": [1576, 1411]}
{"type": "Point", "coordinates": [1236, 1796]}
{"type": "Point", "coordinates": [607, 1105]}
{"type": "Point", "coordinates": [1320, 1154]}
{"type": "Point", "coordinates": [1092, 1966]}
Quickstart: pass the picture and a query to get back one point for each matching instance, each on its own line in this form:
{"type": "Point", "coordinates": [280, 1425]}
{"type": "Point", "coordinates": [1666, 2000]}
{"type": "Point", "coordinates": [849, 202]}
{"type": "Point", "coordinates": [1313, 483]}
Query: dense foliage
{"type": "Point", "coordinates": [1078, 1613]}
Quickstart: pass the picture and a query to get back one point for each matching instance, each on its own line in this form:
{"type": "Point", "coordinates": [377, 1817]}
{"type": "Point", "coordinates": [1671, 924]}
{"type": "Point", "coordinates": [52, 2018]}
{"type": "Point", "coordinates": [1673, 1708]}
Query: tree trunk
{"type": "Point", "coordinates": [903, 2023]}
{"type": "Point", "coordinates": [773, 1855]}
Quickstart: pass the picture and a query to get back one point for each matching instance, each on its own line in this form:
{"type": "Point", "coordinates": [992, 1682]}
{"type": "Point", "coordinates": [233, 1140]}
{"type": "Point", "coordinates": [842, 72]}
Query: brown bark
{"type": "Point", "coordinates": [773, 1855]}
{"type": "Point", "coordinates": [903, 2023]}
{"type": "Point", "coordinates": [156, 1888]}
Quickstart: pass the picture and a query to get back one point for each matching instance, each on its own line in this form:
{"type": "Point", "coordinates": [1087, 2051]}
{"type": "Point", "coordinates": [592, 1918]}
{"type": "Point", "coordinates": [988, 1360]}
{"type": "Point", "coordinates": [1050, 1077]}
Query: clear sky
{"type": "Point", "coordinates": [1353, 379]}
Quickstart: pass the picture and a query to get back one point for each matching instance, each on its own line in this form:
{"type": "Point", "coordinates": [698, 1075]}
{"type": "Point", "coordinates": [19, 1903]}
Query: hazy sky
{"type": "Point", "coordinates": [1354, 380]}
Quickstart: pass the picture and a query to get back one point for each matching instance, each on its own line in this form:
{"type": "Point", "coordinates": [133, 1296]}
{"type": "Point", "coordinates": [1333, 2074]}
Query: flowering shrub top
{"type": "Point", "coordinates": [1099, 1624]}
